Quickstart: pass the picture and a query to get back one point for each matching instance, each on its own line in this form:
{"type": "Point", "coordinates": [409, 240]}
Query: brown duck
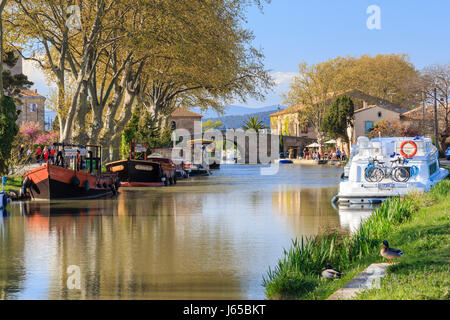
{"type": "Point", "coordinates": [329, 273]}
{"type": "Point", "coordinates": [390, 253]}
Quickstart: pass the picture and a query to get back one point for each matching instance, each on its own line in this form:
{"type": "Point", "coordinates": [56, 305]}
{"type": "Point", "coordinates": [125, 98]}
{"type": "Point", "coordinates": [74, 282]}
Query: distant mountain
{"type": "Point", "coordinates": [235, 111]}
{"type": "Point", "coordinates": [237, 121]}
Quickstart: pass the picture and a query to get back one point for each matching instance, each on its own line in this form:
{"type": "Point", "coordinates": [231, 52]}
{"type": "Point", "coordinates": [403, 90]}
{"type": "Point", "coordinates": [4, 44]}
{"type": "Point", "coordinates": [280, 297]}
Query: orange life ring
{"type": "Point", "coordinates": [414, 145]}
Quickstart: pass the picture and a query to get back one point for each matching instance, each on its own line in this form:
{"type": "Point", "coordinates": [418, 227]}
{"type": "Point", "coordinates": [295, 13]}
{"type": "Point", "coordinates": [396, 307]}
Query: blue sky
{"type": "Point", "coordinates": [291, 31]}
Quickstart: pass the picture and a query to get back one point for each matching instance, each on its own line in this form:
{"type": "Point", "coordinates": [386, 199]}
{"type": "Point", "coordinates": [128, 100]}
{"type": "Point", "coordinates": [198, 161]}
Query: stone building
{"type": "Point", "coordinates": [368, 111]}
{"type": "Point", "coordinates": [422, 119]}
{"type": "Point", "coordinates": [32, 108]}
{"type": "Point", "coordinates": [183, 118]}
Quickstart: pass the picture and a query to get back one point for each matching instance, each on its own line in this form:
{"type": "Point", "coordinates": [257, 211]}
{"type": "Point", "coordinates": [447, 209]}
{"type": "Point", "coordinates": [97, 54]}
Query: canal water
{"type": "Point", "coordinates": [205, 238]}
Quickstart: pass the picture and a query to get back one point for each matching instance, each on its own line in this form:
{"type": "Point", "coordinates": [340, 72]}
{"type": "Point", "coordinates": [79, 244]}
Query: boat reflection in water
{"type": "Point", "coordinates": [205, 238]}
{"type": "Point", "coordinates": [307, 212]}
{"type": "Point", "coordinates": [352, 216]}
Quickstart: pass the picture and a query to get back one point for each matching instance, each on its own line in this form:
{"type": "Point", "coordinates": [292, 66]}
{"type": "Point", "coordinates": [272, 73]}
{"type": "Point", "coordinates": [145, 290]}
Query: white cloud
{"type": "Point", "coordinates": [282, 82]}
{"type": "Point", "coordinates": [32, 70]}
{"type": "Point", "coordinates": [283, 78]}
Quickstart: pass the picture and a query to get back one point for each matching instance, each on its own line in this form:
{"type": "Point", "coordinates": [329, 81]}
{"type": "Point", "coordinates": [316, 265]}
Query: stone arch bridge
{"type": "Point", "coordinates": [254, 148]}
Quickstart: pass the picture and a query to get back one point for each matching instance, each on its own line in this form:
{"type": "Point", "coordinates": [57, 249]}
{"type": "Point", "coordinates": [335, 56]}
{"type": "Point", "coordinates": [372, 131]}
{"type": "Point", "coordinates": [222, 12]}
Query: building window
{"type": "Point", "coordinates": [368, 126]}
{"type": "Point", "coordinates": [33, 107]}
{"type": "Point", "coordinates": [379, 114]}
{"type": "Point", "coordinates": [173, 125]}
{"type": "Point", "coordinates": [304, 129]}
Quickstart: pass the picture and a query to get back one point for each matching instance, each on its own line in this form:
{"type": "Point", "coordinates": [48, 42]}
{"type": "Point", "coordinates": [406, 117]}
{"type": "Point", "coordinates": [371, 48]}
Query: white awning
{"type": "Point", "coordinates": [314, 145]}
{"type": "Point", "coordinates": [332, 141]}
{"type": "Point", "coordinates": [73, 152]}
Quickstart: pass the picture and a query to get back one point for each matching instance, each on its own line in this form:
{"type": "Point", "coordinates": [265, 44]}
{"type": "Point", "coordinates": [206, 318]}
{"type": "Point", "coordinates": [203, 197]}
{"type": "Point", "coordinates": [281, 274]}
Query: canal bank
{"type": "Point", "coordinates": [417, 224]}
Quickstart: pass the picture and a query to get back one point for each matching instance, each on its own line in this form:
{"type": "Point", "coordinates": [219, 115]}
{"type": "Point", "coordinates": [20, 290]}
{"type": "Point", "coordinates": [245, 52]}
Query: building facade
{"type": "Point", "coordinates": [183, 118]}
{"type": "Point", "coordinates": [368, 111]}
{"type": "Point", "coordinates": [32, 108]}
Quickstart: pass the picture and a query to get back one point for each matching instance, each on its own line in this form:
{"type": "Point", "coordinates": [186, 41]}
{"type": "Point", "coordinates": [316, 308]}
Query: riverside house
{"type": "Point", "coordinates": [183, 118]}
{"type": "Point", "coordinates": [32, 108]}
{"type": "Point", "coordinates": [368, 111]}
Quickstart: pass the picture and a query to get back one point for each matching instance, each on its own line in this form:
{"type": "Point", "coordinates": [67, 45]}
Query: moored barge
{"type": "Point", "coordinates": [137, 171]}
{"type": "Point", "coordinates": [72, 176]}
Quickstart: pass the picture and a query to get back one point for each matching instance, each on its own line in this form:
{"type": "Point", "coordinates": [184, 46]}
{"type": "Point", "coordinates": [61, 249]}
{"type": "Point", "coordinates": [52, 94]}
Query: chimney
{"type": "Point", "coordinates": [364, 104]}
{"type": "Point", "coordinates": [35, 90]}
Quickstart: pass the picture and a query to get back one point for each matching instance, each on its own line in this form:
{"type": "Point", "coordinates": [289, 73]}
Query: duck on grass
{"type": "Point", "coordinates": [299, 273]}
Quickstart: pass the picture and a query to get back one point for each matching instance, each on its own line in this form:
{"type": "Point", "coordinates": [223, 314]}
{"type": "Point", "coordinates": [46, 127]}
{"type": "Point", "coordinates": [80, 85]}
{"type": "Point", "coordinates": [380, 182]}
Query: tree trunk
{"type": "Point", "coordinates": [79, 134]}
{"type": "Point", "coordinates": [127, 111]}
{"type": "Point", "coordinates": [2, 6]}
{"type": "Point", "coordinates": [74, 107]}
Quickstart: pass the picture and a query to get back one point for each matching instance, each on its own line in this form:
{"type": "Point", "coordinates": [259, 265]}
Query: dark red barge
{"type": "Point", "coordinates": [72, 176]}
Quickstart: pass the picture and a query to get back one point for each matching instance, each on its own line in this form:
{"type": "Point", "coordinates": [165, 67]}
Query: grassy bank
{"type": "Point", "coordinates": [298, 273]}
{"type": "Point", "coordinates": [424, 271]}
{"type": "Point", "coordinates": [13, 183]}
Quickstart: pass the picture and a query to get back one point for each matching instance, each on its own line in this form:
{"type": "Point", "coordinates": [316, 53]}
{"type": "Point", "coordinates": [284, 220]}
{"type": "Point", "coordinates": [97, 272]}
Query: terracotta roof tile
{"type": "Point", "coordinates": [288, 110]}
{"type": "Point", "coordinates": [352, 93]}
{"type": "Point", "coordinates": [30, 93]}
{"type": "Point", "coordinates": [416, 113]}
{"type": "Point", "coordinates": [182, 112]}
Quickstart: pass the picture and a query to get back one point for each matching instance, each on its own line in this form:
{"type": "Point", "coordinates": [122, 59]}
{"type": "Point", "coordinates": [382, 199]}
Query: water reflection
{"type": "Point", "coordinates": [352, 217]}
{"type": "Point", "coordinates": [206, 238]}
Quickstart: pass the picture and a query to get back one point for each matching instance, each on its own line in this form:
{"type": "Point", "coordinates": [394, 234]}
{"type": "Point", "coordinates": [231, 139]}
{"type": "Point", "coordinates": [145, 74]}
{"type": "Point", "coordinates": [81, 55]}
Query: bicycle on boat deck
{"type": "Point", "coordinates": [376, 171]}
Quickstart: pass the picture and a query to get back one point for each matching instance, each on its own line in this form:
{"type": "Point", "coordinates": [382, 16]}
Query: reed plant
{"type": "Point", "coordinates": [298, 273]}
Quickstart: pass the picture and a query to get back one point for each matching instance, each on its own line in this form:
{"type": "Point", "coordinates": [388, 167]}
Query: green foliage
{"type": "Point", "coordinates": [339, 117]}
{"type": "Point", "coordinates": [13, 83]}
{"type": "Point", "coordinates": [254, 123]}
{"type": "Point", "coordinates": [13, 183]}
{"type": "Point", "coordinates": [8, 130]}
{"type": "Point", "coordinates": [298, 273]}
{"type": "Point", "coordinates": [211, 125]}
{"type": "Point", "coordinates": [143, 129]}
{"type": "Point", "coordinates": [55, 124]}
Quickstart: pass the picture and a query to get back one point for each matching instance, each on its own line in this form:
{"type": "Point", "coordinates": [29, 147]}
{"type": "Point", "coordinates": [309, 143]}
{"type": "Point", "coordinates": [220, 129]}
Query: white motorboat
{"type": "Point", "coordinates": [385, 167]}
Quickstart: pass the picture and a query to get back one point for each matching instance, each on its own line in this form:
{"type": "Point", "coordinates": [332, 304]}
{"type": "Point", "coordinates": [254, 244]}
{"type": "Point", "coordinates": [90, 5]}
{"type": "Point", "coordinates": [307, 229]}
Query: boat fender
{"type": "Point", "coordinates": [3, 200]}
{"type": "Point", "coordinates": [86, 185]}
{"type": "Point", "coordinates": [414, 171]}
{"type": "Point", "coordinates": [75, 181]}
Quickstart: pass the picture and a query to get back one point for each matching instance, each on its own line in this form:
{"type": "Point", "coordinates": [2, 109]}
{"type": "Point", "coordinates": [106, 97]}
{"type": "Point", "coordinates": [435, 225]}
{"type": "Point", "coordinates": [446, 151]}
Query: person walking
{"type": "Point", "coordinates": [38, 154]}
{"type": "Point", "coordinates": [78, 160]}
{"type": "Point", "coordinates": [21, 151]}
{"type": "Point", "coordinates": [52, 154]}
{"type": "Point", "coordinates": [338, 154]}
{"type": "Point", "coordinates": [46, 154]}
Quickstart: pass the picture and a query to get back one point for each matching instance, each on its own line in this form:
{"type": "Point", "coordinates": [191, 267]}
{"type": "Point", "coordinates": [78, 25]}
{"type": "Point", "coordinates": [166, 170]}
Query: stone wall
{"type": "Point", "coordinates": [27, 113]}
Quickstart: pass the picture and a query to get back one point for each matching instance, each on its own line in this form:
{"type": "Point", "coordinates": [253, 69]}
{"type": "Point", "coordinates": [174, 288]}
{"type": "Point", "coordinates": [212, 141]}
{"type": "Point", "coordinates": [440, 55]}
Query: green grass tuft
{"type": "Point", "coordinates": [13, 183]}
